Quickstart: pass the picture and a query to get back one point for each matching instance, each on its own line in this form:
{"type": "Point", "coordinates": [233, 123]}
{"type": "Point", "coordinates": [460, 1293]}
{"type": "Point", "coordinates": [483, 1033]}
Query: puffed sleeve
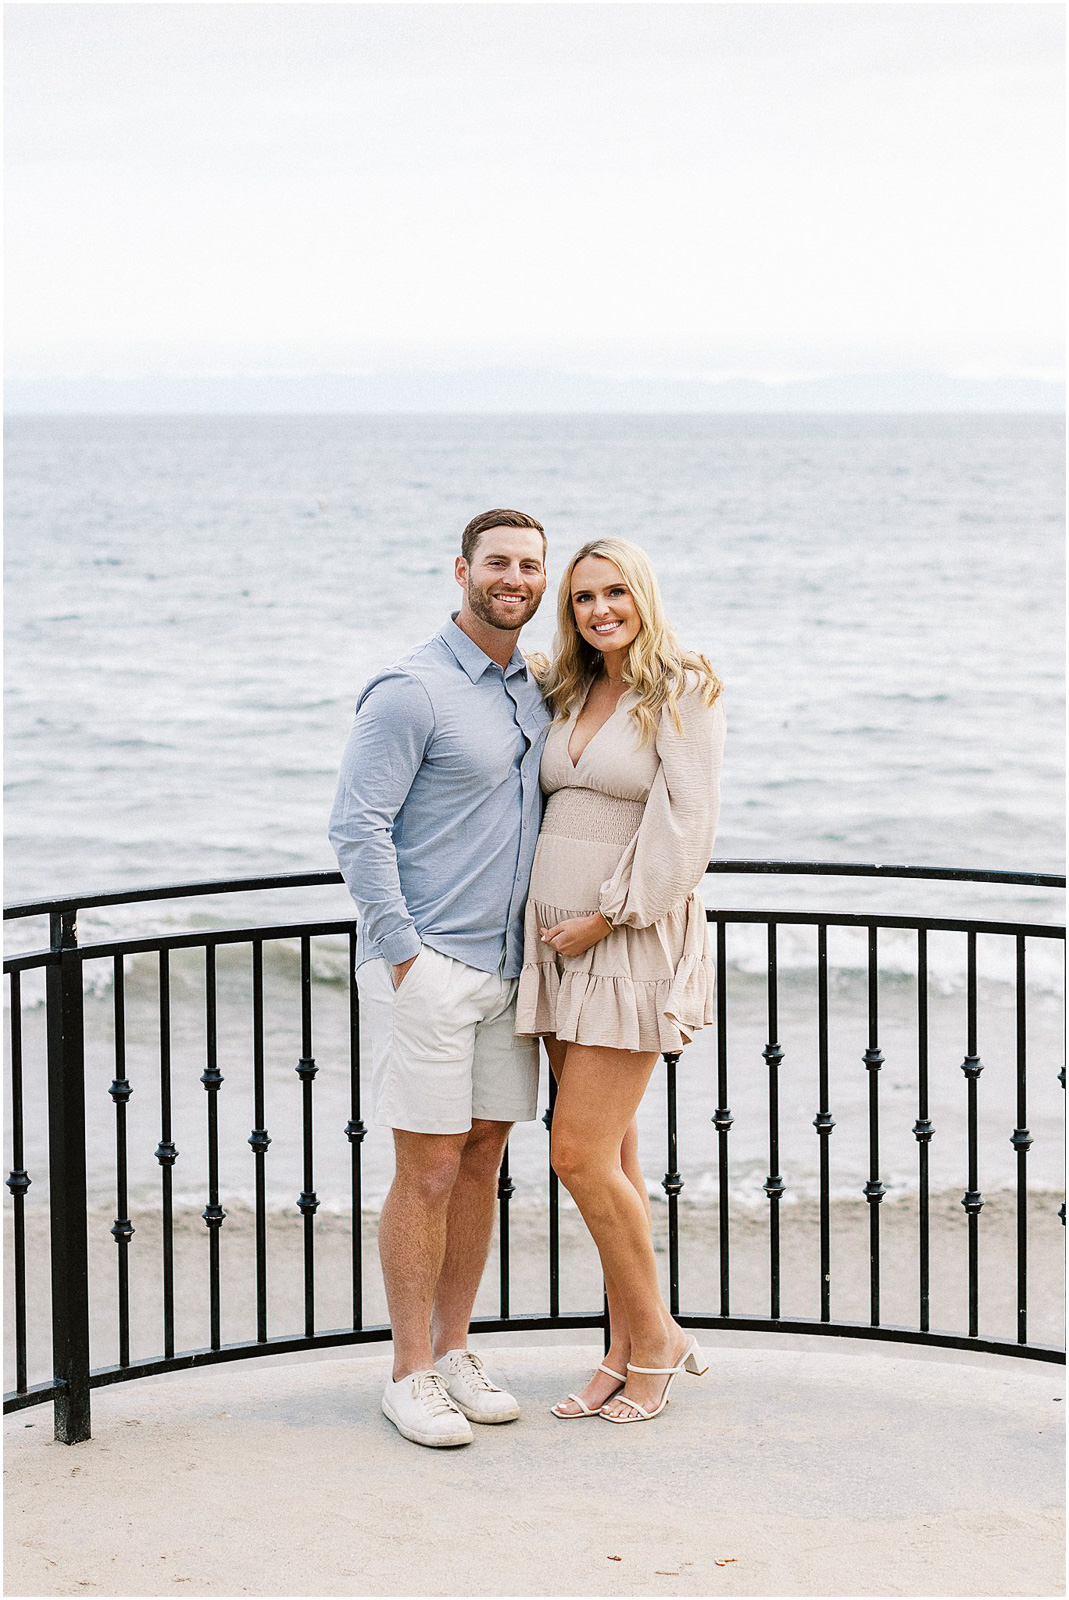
{"type": "Point", "coordinates": [669, 853]}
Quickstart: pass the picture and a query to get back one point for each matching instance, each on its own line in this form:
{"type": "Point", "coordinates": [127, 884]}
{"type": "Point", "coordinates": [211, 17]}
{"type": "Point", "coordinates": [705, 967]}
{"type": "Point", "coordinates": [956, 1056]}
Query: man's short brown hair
{"type": "Point", "coordinates": [469, 539]}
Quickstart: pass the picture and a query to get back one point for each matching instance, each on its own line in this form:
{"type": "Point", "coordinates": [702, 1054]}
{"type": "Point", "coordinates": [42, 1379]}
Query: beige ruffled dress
{"type": "Point", "coordinates": [628, 830]}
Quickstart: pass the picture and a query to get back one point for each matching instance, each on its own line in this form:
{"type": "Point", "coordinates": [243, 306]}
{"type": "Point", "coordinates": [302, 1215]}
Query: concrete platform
{"type": "Point", "coordinates": [793, 1468]}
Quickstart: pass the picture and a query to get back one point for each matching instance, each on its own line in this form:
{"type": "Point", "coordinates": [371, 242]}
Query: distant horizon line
{"type": "Point", "coordinates": [811, 411]}
{"type": "Point", "coordinates": [527, 391]}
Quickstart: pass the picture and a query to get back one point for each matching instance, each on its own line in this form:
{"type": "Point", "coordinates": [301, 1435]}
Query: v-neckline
{"type": "Point", "coordinates": [568, 746]}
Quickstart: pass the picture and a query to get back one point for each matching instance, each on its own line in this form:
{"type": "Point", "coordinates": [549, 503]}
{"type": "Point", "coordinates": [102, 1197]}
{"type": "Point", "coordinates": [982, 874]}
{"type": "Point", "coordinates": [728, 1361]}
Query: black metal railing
{"type": "Point", "coordinates": [64, 965]}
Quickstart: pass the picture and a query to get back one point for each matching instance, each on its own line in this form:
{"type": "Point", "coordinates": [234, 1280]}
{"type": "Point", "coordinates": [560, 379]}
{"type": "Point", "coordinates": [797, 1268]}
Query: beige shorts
{"type": "Point", "coordinates": [441, 1050]}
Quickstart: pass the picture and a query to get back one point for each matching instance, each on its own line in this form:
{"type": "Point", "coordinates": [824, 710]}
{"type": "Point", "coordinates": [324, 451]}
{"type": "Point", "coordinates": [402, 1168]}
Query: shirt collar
{"type": "Point", "coordinates": [473, 660]}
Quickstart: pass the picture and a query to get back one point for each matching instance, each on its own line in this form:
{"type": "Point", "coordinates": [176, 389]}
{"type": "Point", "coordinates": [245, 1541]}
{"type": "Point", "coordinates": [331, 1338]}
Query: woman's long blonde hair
{"type": "Point", "coordinates": [657, 668]}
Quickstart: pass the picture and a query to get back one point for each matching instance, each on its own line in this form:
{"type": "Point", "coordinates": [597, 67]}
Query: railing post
{"type": "Point", "coordinates": [18, 1181]}
{"type": "Point", "coordinates": [307, 1200]}
{"type": "Point", "coordinates": [973, 1200]}
{"type": "Point", "coordinates": [259, 1138]}
{"type": "Point", "coordinates": [505, 1191]}
{"type": "Point", "coordinates": [66, 1183]}
{"type": "Point", "coordinates": [1021, 1140]}
{"type": "Point", "coordinates": [722, 1118]}
{"type": "Point", "coordinates": [923, 1132]}
{"type": "Point", "coordinates": [673, 1183]}
{"type": "Point", "coordinates": [824, 1122]}
{"type": "Point", "coordinates": [774, 1185]}
{"type": "Point", "coordinates": [355, 1132]}
{"type": "Point", "coordinates": [554, 1207]}
{"type": "Point", "coordinates": [874, 1189]}
{"type": "Point", "coordinates": [122, 1229]}
{"type": "Point", "coordinates": [213, 1213]}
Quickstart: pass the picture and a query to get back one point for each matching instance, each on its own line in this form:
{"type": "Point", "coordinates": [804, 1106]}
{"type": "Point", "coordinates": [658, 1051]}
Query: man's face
{"type": "Point", "coordinates": [506, 578]}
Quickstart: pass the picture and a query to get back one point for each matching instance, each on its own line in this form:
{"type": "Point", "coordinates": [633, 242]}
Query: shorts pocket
{"type": "Point", "coordinates": [414, 974]}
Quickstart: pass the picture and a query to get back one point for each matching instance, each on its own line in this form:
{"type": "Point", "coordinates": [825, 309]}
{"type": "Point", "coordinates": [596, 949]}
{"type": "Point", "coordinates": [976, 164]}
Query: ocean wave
{"type": "Point", "coordinates": [747, 1198]}
{"type": "Point", "coordinates": [747, 964]}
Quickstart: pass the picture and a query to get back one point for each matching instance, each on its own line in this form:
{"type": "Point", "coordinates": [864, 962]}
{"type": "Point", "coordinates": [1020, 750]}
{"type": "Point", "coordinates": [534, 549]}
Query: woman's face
{"type": "Point", "coordinates": [605, 613]}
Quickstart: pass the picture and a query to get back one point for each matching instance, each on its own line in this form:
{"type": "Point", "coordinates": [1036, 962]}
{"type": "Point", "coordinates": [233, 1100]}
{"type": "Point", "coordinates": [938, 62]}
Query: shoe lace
{"type": "Point", "coordinates": [476, 1375]}
{"type": "Point", "coordinates": [429, 1388]}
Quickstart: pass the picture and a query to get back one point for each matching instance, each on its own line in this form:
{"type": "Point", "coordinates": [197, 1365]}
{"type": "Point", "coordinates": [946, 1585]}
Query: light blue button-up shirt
{"type": "Point", "coordinates": [438, 805]}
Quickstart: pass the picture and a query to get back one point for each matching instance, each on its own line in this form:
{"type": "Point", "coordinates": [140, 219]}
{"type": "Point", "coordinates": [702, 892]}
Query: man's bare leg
{"type": "Point", "coordinates": [469, 1226]}
{"type": "Point", "coordinates": [412, 1239]}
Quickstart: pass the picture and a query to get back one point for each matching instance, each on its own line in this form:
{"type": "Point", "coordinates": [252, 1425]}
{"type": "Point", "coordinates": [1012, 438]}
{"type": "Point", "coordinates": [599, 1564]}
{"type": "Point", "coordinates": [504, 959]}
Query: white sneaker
{"type": "Point", "coordinates": [471, 1390]}
{"type": "Point", "coordinates": [420, 1409]}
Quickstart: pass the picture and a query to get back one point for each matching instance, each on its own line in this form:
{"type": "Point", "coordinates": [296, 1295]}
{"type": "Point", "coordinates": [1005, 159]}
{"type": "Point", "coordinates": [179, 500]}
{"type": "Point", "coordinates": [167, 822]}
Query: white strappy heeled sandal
{"type": "Point", "coordinates": [584, 1409]}
{"type": "Point", "coordinates": [691, 1358]}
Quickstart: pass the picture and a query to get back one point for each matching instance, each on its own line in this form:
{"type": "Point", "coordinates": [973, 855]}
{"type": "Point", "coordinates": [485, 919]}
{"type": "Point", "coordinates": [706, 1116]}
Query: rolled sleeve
{"type": "Point", "coordinates": [391, 731]}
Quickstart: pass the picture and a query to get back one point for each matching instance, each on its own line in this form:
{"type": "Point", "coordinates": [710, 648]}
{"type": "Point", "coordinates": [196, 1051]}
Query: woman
{"type": "Point", "coordinates": [615, 961]}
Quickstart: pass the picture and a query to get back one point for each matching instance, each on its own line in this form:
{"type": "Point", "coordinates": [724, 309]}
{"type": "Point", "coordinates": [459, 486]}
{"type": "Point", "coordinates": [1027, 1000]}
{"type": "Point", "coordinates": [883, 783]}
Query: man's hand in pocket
{"type": "Point", "coordinates": [398, 973]}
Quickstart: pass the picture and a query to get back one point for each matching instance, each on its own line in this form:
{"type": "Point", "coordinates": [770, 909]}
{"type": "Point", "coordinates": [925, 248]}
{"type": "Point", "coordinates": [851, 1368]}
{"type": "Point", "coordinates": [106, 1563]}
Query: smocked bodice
{"type": "Point", "coordinates": [615, 761]}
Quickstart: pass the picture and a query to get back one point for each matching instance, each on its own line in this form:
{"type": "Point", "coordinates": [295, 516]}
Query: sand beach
{"type": "Point", "coordinates": [580, 1284]}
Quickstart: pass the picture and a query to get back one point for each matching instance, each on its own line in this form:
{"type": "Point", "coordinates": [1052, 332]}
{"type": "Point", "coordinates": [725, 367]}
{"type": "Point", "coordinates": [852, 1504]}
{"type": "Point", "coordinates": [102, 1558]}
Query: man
{"type": "Point", "coordinates": [434, 826]}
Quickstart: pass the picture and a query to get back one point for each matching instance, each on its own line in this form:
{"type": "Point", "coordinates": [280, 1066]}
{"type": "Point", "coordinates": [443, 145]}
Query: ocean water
{"type": "Point", "coordinates": [194, 603]}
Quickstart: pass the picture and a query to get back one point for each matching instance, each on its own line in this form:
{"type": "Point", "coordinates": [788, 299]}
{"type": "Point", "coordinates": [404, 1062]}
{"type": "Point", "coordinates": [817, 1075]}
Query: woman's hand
{"type": "Point", "coordinates": [576, 934]}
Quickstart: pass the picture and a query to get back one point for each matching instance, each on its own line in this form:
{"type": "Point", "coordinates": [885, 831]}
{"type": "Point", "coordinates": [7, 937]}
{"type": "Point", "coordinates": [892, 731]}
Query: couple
{"type": "Point", "coordinates": [484, 924]}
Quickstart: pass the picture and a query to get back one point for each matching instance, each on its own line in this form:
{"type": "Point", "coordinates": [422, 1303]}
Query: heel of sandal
{"type": "Point", "coordinates": [696, 1361]}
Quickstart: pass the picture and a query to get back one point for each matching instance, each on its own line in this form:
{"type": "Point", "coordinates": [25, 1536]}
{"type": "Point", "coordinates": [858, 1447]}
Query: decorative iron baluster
{"type": "Point", "coordinates": [1061, 1080]}
{"type": "Point", "coordinates": [259, 1138]}
{"type": "Point", "coordinates": [972, 1199]}
{"type": "Point", "coordinates": [923, 1131]}
{"type": "Point", "coordinates": [823, 1122]}
{"type": "Point", "coordinates": [66, 1182]}
{"type": "Point", "coordinates": [307, 1201]}
{"type": "Point", "coordinates": [18, 1181]}
{"type": "Point", "coordinates": [874, 1189]}
{"type": "Point", "coordinates": [722, 1118]}
{"type": "Point", "coordinates": [673, 1183]}
{"type": "Point", "coordinates": [1021, 1141]}
{"type": "Point", "coordinates": [355, 1133]}
{"type": "Point", "coordinates": [212, 1079]}
{"type": "Point", "coordinates": [774, 1185]}
{"type": "Point", "coordinates": [505, 1190]}
{"type": "Point", "coordinates": [166, 1155]}
{"type": "Point", "coordinates": [554, 1208]}
{"type": "Point", "coordinates": [122, 1229]}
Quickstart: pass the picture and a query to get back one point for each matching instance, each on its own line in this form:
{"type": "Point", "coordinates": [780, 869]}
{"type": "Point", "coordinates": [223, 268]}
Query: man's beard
{"type": "Point", "coordinates": [495, 616]}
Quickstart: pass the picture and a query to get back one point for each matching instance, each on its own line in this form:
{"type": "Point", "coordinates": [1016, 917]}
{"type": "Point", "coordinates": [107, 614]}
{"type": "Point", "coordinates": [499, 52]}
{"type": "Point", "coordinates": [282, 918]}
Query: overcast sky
{"type": "Point", "coordinates": [701, 190]}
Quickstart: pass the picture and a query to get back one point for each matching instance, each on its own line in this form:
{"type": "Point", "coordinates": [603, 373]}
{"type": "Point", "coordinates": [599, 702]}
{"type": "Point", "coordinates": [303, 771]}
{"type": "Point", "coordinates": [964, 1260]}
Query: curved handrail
{"type": "Point", "coordinates": [27, 960]}
{"type": "Point", "coordinates": [305, 880]}
{"type": "Point", "coordinates": [172, 891]}
{"type": "Point", "coordinates": [858, 869]}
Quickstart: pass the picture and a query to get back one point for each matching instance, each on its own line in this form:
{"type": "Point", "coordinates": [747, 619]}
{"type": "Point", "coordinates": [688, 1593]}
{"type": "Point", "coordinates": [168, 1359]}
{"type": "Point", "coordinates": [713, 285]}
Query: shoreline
{"type": "Point", "coordinates": [579, 1270]}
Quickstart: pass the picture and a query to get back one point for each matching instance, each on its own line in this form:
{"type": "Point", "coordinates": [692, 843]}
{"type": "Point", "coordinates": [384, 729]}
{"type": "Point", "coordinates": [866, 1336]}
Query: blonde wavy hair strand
{"type": "Point", "coordinates": [658, 670]}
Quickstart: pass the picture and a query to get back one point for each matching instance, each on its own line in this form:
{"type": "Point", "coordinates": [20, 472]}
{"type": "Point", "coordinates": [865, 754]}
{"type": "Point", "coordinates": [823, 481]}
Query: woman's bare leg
{"type": "Point", "coordinates": [601, 1386]}
{"type": "Point", "coordinates": [600, 1090]}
